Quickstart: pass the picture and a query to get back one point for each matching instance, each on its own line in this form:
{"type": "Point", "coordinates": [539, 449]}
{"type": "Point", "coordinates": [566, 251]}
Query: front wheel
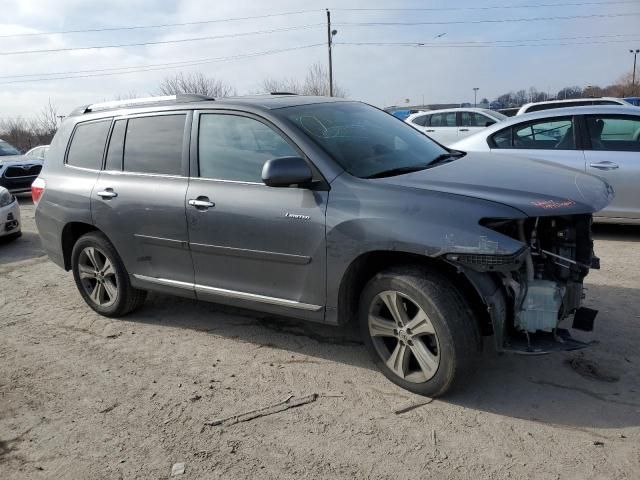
{"type": "Point", "coordinates": [419, 330]}
{"type": "Point", "coordinates": [102, 278]}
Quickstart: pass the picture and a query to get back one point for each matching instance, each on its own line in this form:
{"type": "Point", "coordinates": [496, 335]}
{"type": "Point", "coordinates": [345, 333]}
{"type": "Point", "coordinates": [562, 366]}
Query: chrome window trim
{"type": "Point", "coordinates": [142, 174]}
{"type": "Point", "coordinates": [223, 292]}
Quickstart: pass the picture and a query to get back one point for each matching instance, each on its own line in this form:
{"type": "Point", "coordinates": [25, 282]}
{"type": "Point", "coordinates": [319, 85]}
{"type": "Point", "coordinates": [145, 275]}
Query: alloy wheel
{"type": "Point", "coordinates": [403, 336]}
{"type": "Point", "coordinates": [98, 276]}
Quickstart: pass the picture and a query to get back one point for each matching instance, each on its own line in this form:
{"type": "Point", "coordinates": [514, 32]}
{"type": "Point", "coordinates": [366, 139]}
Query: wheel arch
{"type": "Point", "coordinates": [71, 232]}
{"type": "Point", "coordinates": [367, 265]}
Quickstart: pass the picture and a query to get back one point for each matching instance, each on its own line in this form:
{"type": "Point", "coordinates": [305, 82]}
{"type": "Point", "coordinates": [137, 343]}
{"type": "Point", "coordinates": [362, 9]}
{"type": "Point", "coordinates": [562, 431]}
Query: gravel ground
{"type": "Point", "coordinates": [82, 396]}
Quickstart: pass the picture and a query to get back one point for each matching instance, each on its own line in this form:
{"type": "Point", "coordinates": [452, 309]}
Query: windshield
{"type": "Point", "coordinates": [7, 149]}
{"type": "Point", "coordinates": [365, 141]}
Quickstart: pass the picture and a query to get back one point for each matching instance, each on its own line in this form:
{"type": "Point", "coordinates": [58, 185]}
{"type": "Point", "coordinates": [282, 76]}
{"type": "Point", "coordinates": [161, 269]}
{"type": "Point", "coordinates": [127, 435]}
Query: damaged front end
{"type": "Point", "coordinates": [530, 292]}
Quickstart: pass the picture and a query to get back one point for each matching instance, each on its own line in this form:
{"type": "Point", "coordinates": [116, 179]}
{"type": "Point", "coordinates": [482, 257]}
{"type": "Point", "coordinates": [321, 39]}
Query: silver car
{"type": "Point", "coordinates": [601, 140]}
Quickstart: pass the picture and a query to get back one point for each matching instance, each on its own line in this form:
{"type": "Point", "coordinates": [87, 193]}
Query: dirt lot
{"type": "Point", "coordinates": [83, 396]}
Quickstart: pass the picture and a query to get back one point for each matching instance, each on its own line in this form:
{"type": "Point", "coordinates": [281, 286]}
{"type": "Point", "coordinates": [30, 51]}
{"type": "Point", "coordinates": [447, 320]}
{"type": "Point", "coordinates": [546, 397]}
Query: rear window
{"type": "Point", "coordinates": [154, 144]}
{"type": "Point", "coordinates": [87, 144]}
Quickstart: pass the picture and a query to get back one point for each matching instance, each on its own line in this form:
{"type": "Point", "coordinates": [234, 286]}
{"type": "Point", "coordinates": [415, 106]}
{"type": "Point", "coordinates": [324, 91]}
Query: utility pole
{"type": "Point", "coordinates": [633, 78]}
{"type": "Point", "coordinates": [330, 35]}
{"type": "Point", "coordinates": [475, 96]}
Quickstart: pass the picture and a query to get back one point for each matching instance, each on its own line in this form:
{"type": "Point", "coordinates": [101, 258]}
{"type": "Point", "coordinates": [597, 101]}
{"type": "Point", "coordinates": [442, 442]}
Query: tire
{"type": "Point", "coordinates": [101, 277]}
{"type": "Point", "coordinates": [434, 346]}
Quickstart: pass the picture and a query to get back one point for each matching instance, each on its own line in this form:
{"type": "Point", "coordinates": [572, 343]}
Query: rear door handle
{"type": "Point", "coordinates": [107, 193]}
{"type": "Point", "coordinates": [201, 203]}
{"type": "Point", "coordinates": [428, 130]}
{"type": "Point", "coordinates": [606, 165]}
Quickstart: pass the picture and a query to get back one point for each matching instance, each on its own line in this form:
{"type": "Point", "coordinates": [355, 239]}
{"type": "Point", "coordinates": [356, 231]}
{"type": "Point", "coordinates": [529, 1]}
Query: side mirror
{"type": "Point", "coordinates": [489, 123]}
{"type": "Point", "coordinates": [286, 171]}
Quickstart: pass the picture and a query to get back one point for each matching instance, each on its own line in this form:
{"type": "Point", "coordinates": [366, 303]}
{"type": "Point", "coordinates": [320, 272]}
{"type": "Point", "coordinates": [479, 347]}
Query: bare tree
{"type": "Point", "coordinates": [195, 83]}
{"type": "Point", "coordinates": [316, 82]}
{"type": "Point", "coordinates": [46, 124]}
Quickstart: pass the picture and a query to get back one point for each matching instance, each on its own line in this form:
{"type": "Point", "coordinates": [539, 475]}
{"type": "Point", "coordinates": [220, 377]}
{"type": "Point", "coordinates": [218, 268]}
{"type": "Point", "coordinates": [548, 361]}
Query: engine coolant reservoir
{"type": "Point", "coordinates": [540, 307]}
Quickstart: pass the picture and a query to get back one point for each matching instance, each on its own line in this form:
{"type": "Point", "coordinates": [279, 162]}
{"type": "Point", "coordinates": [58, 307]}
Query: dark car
{"type": "Point", "coordinates": [17, 172]}
{"type": "Point", "coordinates": [324, 210]}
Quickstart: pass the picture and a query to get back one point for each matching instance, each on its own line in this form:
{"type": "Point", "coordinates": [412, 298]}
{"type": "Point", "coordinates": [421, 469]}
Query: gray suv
{"type": "Point", "coordinates": [325, 210]}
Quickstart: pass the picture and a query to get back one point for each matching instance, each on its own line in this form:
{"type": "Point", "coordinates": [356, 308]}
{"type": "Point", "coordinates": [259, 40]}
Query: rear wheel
{"type": "Point", "coordinates": [102, 278]}
{"type": "Point", "coordinates": [419, 330]}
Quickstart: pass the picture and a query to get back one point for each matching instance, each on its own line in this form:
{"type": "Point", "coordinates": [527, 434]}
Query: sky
{"type": "Point", "coordinates": [441, 72]}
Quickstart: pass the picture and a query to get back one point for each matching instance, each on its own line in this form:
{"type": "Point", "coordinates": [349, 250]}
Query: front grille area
{"type": "Point", "coordinates": [16, 171]}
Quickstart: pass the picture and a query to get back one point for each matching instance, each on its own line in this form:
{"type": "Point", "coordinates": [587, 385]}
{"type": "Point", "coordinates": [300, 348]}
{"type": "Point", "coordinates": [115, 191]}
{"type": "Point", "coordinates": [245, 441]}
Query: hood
{"type": "Point", "coordinates": [12, 158]}
{"type": "Point", "coordinates": [535, 187]}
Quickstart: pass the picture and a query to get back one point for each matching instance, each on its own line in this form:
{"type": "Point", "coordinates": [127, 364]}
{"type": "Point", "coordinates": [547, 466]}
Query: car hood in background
{"type": "Point", "coordinates": [534, 187]}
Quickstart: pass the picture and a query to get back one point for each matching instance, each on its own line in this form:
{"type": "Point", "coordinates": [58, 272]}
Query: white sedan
{"type": "Point", "coordinates": [601, 140]}
{"type": "Point", "coordinates": [9, 216]}
{"type": "Point", "coordinates": [450, 125]}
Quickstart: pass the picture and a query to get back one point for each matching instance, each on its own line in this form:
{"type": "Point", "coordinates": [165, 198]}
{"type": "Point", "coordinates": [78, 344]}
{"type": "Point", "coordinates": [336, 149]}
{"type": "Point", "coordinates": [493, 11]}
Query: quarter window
{"type": "Point", "coordinates": [556, 134]}
{"type": "Point", "coordinates": [422, 120]}
{"type": "Point", "coordinates": [87, 144]}
{"type": "Point", "coordinates": [614, 133]}
{"type": "Point", "coordinates": [154, 144]}
{"type": "Point", "coordinates": [232, 147]}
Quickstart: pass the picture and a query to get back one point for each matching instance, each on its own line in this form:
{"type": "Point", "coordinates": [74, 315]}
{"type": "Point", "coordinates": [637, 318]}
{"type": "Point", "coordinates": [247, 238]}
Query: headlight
{"type": "Point", "coordinates": [5, 198]}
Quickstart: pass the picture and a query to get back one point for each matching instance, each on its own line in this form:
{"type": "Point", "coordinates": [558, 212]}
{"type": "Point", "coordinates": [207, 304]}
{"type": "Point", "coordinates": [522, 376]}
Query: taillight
{"type": "Point", "coordinates": [37, 189]}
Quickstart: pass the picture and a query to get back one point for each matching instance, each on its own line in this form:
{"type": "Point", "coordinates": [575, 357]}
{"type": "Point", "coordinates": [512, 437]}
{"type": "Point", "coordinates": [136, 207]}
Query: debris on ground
{"type": "Point", "coordinates": [289, 402]}
{"type": "Point", "coordinates": [177, 469]}
{"type": "Point", "coordinates": [412, 405]}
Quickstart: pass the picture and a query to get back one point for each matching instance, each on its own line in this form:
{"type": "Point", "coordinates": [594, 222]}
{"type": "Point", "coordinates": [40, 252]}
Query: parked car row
{"type": "Point", "coordinates": [601, 140]}
{"type": "Point", "coordinates": [18, 171]}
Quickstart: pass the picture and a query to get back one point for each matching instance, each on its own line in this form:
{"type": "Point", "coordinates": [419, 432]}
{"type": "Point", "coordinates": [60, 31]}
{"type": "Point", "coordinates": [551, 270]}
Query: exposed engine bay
{"type": "Point", "coordinates": [542, 284]}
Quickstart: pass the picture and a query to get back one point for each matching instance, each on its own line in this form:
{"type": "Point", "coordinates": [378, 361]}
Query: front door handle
{"type": "Point", "coordinates": [201, 203]}
{"type": "Point", "coordinates": [606, 165]}
{"type": "Point", "coordinates": [464, 129]}
{"type": "Point", "coordinates": [107, 193]}
{"type": "Point", "coordinates": [428, 130]}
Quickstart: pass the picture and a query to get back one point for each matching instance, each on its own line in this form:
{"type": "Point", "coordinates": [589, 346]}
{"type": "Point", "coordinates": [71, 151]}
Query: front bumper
{"type": "Point", "coordinates": [10, 222]}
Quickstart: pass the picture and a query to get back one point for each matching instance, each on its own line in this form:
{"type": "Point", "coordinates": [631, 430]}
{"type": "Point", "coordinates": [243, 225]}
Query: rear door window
{"type": "Point", "coordinates": [154, 144]}
{"type": "Point", "coordinates": [544, 134]}
{"type": "Point", "coordinates": [614, 132]}
{"type": "Point", "coordinates": [87, 144]}
{"type": "Point", "coordinates": [443, 119]}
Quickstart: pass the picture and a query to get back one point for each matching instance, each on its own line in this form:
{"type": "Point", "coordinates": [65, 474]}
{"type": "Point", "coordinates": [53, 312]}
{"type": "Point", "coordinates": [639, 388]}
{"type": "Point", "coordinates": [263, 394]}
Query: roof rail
{"type": "Point", "coordinates": [134, 102]}
{"type": "Point", "coordinates": [282, 93]}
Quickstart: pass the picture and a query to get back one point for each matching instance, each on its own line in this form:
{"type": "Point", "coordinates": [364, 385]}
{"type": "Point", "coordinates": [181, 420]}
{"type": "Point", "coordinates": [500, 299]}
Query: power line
{"type": "Point", "coordinates": [407, 44]}
{"type": "Point", "coordinates": [298, 12]}
{"type": "Point", "coordinates": [490, 7]}
{"type": "Point", "coordinates": [495, 42]}
{"type": "Point", "coordinates": [445, 45]}
{"type": "Point", "coordinates": [160, 25]}
{"type": "Point", "coordinates": [153, 67]}
{"type": "Point", "coordinates": [504, 20]}
{"type": "Point", "coordinates": [163, 42]}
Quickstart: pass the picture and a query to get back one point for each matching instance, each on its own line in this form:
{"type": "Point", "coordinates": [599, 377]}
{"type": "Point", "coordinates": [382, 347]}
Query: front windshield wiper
{"type": "Point", "coordinates": [447, 157]}
{"type": "Point", "coordinates": [398, 171]}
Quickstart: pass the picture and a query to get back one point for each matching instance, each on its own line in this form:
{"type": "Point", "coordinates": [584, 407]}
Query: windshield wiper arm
{"type": "Point", "coordinates": [397, 171]}
{"type": "Point", "coordinates": [447, 157]}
